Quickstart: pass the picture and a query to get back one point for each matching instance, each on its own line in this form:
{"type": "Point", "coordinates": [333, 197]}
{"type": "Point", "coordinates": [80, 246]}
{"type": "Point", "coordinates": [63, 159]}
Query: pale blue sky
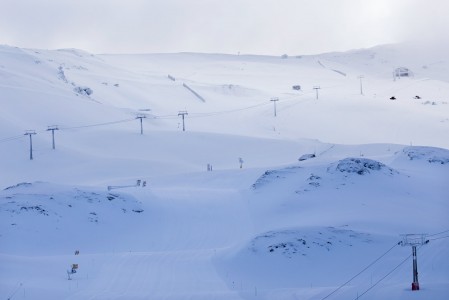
{"type": "Point", "coordinates": [226, 26]}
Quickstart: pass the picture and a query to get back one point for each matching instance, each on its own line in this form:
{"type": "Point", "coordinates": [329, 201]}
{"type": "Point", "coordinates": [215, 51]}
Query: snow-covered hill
{"type": "Point", "coordinates": [295, 204]}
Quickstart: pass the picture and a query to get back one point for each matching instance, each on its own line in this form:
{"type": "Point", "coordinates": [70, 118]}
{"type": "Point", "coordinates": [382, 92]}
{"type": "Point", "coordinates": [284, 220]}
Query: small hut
{"type": "Point", "coordinates": [403, 72]}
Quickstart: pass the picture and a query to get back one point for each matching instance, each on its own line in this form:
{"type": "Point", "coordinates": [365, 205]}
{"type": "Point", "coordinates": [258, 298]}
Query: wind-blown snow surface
{"type": "Point", "coordinates": [277, 228]}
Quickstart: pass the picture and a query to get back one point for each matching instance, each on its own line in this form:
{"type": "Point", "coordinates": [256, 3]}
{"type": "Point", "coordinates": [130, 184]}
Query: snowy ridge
{"type": "Point", "coordinates": [429, 154]}
{"type": "Point", "coordinates": [294, 242]}
{"type": "Point", "coordinates": [360, 166]}
{"type": "Point", "coordinates": [59, 216]}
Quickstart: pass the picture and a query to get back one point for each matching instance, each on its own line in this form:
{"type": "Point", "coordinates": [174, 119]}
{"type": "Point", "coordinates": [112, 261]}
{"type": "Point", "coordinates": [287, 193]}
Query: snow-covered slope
{"type": "Point", "coordinates": [294, 207]}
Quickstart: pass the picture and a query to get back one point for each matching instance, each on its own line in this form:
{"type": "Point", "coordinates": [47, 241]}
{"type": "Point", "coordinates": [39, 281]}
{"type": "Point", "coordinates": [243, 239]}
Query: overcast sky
{"type": "Point", "coordinates": [225, 26]}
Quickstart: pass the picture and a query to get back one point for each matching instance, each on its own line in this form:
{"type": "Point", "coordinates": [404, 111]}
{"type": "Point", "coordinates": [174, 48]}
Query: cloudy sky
{"type": "Point", "coordinates": [225, 26]}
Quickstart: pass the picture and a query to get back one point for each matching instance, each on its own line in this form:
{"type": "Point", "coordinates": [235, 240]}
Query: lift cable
{"type": "Point", "coordinates": [366, 268]}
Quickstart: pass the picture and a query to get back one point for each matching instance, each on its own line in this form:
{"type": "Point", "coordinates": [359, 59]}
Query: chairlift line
{"type": "Point", "coordinates": [377, 282]}
{"type": "Point", "coordinates": [193, 115]}
{"type": "Point", "coordinates": [13, 138]}
{"type": "Point", "coordinates": [209, 114]}
{"type": "Point", "coordinates": [99, 124]}
{"type": "Point", "coordinates": [366, 268]}
{"type": "Point", "coordinates": [439, 238]}
{"type": "Point", "coordinates": [438, 233]}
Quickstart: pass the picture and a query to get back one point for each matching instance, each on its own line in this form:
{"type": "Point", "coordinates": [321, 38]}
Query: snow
{"type": "Point", "coordinates": [325, 189]}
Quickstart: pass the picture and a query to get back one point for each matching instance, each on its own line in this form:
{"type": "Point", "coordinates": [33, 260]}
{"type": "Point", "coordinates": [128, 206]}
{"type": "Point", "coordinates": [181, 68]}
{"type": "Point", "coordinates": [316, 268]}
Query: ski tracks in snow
{"type": "Point", "coordinates": [139, 275]}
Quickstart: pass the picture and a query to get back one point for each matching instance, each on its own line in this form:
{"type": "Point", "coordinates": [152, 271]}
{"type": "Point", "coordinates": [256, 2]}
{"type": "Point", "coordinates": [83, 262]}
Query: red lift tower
{"type": "Point", "coordinates": [414, 240]}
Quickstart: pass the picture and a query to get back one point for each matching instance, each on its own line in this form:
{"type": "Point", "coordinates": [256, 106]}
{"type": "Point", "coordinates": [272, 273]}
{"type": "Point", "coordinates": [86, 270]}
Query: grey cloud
{"type": "Point", "coordinates": [248, 26]}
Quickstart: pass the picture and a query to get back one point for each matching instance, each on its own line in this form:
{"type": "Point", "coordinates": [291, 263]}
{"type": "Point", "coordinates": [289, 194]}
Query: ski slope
{"type": "Point", "coordinates": [275, 228]}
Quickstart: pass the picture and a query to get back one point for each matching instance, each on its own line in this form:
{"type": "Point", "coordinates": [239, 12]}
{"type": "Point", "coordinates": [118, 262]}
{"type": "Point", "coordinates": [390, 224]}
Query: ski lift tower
{"type": "Point", "coordinates": [183, 114]}
{"type": "Point", "coordinates": [141, 116]}
{"type": "Point", "coordinates": [414, 240]}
